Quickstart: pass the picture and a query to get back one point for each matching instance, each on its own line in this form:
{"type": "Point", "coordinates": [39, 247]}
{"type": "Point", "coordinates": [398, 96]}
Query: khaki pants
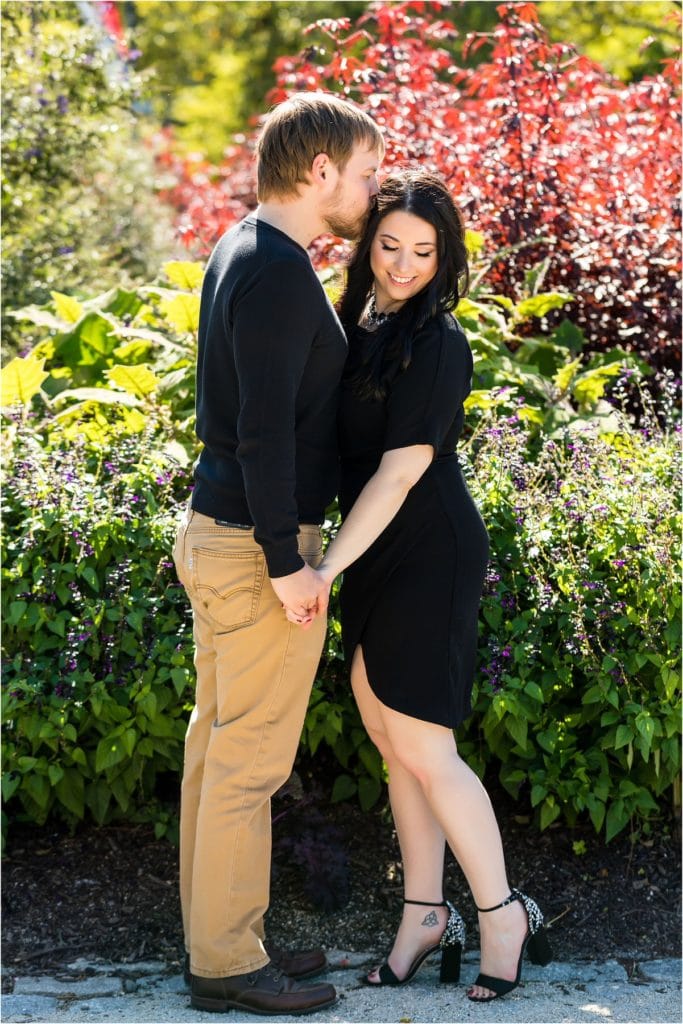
{"type": "Point", "coordinates": [255, 671]}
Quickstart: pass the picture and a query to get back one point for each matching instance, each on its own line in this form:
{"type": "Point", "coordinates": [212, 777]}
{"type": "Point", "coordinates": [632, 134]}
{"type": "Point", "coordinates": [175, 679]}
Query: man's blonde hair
{"type": "Point", "coordinates": [300, 128]}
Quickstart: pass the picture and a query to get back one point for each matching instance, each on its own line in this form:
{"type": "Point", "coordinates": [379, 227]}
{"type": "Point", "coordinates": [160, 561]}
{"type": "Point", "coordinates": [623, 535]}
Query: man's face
{"type": "Point", "coordinates": [347, 208]}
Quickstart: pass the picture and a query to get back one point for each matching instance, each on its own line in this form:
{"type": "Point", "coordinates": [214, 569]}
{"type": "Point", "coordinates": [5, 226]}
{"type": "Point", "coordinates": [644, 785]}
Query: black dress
{"type": "Point", "coordinates": [412, 599]}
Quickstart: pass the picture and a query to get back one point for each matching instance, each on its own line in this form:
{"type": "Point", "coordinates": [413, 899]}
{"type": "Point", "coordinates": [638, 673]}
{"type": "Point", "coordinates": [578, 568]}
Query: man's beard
{"type": "Point", "coordinates": [340, 223]}
{"type": "Point", "coordinates": [344, 227]}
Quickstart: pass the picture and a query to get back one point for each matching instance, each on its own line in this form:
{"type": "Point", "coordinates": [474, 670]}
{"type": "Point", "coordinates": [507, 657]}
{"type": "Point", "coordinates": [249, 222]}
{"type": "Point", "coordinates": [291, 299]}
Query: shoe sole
{"type": "Point", "coordinates": [187, 978]}
{"type": "Point", "coordinates": [223, 1005]}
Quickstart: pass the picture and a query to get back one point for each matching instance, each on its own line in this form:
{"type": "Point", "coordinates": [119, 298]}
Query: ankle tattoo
{"type": "Point", "coordinates": [431, 920]}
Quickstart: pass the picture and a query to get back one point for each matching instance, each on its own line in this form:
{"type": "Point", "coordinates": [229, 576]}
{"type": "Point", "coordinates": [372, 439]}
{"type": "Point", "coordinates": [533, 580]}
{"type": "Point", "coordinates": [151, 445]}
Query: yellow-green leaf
{"type": "Point", "coordinates": [67, 307]}
{"type": "Point", "coordinates": [21, 379]}
{"type": "Point", "coordinates": [540, 305]}
{"type": "Point", "coordinates": [136, 380]}
{"type": "Point", "coordinates": [182, 311]}
{"type": "Point", "coordinates": [474, 242]}
{"type": "Point", "coordinates": [565, 375]}
{"type": "Point", "coordinates": [589, 387]}
{"type": "Point", "coordinates": [530, 413]}
{"type": "Point", "coordinates": [184, 274]}
{"type": "Point", "coordinates": [467, 308]}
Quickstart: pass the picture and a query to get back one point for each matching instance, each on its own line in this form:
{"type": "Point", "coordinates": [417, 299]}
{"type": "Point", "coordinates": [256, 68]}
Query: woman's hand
{"type": "Point", "coordinates": [326, 576]}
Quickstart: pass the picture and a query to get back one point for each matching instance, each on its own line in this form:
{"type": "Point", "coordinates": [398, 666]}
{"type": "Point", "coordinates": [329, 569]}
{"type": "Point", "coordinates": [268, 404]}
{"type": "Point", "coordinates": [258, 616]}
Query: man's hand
{"type": "Point", "coordinates": [304, 594]}
{"type": "Point", "coordinates": [326, 577]}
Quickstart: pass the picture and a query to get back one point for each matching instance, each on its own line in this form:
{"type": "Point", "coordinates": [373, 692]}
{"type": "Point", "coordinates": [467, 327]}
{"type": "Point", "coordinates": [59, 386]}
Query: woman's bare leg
{"type": "Point", "coordinates": [420, 838]}
{"type": "Point", "coordinates": [435, 793]}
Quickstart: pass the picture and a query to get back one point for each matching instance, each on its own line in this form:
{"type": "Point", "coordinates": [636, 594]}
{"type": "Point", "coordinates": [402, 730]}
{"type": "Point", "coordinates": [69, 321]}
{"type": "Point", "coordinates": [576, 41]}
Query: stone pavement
{"type": "Point", "coordinates": [90, 992]}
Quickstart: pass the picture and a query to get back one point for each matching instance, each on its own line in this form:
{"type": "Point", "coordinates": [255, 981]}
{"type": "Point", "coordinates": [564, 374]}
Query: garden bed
{"type": "Point", "coordinates": [112, 892]}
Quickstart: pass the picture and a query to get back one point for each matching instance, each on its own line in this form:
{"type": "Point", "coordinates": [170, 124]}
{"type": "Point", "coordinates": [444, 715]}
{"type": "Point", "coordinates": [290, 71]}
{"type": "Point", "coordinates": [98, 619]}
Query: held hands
{"type": "Point", "coordinates": [304, 594]}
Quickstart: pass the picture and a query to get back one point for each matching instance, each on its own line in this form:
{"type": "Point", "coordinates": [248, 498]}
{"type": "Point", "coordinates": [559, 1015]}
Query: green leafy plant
{"type": "Point", "coordinates": [577, 703]}
{"type": "Point", "coordinates": [97, 674]}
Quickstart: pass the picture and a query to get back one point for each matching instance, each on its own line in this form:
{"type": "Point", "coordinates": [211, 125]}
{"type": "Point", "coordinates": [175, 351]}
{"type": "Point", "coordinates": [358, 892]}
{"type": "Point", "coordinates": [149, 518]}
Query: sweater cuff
{"type": "Point", "coordinates": [282, 559]}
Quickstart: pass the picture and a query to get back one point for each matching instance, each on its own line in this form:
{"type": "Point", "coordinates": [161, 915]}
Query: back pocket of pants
{"type": "Point", "coordinates": [228, 585]}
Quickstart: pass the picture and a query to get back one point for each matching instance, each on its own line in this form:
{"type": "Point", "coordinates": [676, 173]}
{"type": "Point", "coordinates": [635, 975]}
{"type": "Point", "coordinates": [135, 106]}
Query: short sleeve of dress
{"type": "Point", "coordinates": [426, 398]}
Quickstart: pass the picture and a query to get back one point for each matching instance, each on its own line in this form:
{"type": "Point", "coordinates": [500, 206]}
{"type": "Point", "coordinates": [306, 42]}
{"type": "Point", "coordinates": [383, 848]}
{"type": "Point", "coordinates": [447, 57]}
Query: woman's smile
{"type": "Point", "coordinates": [403, 259]}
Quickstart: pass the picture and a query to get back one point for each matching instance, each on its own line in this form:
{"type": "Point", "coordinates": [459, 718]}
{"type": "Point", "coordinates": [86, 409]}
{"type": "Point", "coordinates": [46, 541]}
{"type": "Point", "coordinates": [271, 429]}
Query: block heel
{"type": "Point", "coordinates": [451, 946]}
{"type": "Point", "coordinates": [535, 944]}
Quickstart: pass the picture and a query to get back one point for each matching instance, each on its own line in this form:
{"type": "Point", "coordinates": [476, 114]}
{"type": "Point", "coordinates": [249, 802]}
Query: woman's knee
{"type": "Point", "coordinates": [379, 737]}
{"type": "Point", "coordinates": [428, 765]}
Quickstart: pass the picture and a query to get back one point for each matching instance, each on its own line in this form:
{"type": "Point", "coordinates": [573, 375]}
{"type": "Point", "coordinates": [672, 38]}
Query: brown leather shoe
{"type": "Point", "coordinates": [266, 991]}
{"type": "Point", "coordinates": [300, 964]}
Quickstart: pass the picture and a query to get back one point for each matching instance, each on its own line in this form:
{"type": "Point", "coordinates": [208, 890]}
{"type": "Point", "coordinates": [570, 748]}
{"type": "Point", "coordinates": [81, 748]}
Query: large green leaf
{"type": "Point", "coordinates": [37, 315]}
{"type": "Point", "coordinates": [137, 380]}
{"type": "Point", "coordinates": [110, 750]}
{"type": "Point", "coordinates": [70, 791]}
{"type": "Point", "coordinates": [89, 344]}
{"type": "Point", "coordinates": [68, 308]}
{"type": "Point", "coordinates": [565, 375]}
{"type": "Point", "coordinates": [540, 305]}
{"type": "Point", "coordinates": [117, 301]}
{"type": "Point", "coordinates": [182, 311]}
{"type": "Point", "coordinates": [21, 379]}
{"type": "Point", "coordinates": [184, 274]}
{"type": "Point", "coordinates": [105, 395]}
{"type": "Point", "coordinates": [590, 386]}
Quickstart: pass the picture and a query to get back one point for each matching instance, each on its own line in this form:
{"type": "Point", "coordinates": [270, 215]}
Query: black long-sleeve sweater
{"type": "Point", "coordinates": [270, 359]}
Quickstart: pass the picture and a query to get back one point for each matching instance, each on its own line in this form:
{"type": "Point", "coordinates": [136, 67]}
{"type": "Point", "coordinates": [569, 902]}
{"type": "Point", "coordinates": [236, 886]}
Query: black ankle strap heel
{"type": "Point", "coordinates": [451, 945]}
{"type": "Point", "coordinates": [535, 943]}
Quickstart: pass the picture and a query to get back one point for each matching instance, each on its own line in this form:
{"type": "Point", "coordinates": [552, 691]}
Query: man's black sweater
{"type": "Point", "coordinates": [270, 359]}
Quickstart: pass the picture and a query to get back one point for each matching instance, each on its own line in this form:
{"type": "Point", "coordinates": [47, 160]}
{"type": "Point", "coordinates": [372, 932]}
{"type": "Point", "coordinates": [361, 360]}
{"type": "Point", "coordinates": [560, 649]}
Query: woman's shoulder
{"type": "Point", "coordinates": [441, 331]}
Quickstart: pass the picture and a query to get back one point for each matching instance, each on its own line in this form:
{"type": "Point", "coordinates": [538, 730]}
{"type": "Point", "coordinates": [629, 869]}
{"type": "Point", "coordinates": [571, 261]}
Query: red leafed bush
{"type": "Point", "coordinates": [548, 156]}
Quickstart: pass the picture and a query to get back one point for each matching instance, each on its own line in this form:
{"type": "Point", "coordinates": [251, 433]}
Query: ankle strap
{"type": "Point", "coordinates": [515, 895]}
{"type": "Point", "coordinates": [421, 903]}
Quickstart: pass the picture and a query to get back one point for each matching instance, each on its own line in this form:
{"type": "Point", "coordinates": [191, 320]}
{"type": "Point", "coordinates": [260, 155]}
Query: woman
{"type": "Point", "coordinates": [413, 549]}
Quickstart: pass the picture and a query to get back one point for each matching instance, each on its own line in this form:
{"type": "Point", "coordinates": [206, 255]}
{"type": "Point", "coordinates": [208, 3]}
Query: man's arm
{"type": "Point", "coordinates": [274, 322]}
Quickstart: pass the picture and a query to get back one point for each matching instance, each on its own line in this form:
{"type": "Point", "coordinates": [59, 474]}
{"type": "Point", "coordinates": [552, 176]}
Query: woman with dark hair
{"type": "Point", "coordinates": [414, 549]}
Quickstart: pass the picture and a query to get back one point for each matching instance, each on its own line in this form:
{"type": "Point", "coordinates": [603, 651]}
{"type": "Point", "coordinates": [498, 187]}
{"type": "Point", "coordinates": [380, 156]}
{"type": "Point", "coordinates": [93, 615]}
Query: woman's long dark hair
{"type": "Point", "coordinates": [389, 350]}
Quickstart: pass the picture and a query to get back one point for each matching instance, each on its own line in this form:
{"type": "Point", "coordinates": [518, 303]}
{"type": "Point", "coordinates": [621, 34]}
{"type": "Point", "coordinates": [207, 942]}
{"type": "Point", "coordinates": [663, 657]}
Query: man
{"type": "Point", "coordinates": [270, 358]}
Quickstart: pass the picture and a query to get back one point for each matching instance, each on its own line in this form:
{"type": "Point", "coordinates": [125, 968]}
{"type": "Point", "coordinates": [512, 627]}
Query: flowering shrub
{"type": "Point", "coordinates": [579, 691]}
{"type": "Point", "coordinates": [97, 672]}
{"type": "Point", "coordinates": [554, 161]}
{"type": "Point", "coordinates": [576, 700]}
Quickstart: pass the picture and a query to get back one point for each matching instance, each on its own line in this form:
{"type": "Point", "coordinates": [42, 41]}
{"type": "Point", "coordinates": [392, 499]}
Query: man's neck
{"type": "Point", "coordinates": [295, 218]}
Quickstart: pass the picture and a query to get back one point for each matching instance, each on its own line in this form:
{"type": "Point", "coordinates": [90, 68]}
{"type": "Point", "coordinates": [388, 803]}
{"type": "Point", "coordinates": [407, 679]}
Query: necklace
{"type": "Point", "coordinates": [372, 317]}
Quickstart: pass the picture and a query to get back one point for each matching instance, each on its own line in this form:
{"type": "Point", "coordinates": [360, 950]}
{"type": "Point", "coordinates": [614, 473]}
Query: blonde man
{"type": "Point", "coordinates": [270, 358]}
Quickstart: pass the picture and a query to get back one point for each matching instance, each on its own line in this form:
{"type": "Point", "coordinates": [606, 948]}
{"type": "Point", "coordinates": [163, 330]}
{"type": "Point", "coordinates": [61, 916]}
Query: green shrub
{"type": "Point", "coordinates": [97, 675]}
{"type": "Point", "coordinates": [578, 697]}
{"type": "Point", "coordinates": [577, 701]}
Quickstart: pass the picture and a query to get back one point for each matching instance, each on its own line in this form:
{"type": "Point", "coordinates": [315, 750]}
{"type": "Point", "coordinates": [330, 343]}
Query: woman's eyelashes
{"type": "Point", "coordinates": [389, 248]}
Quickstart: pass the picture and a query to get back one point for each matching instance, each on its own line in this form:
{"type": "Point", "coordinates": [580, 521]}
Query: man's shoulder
{"type": "Point", "coordinates": [251, 252]}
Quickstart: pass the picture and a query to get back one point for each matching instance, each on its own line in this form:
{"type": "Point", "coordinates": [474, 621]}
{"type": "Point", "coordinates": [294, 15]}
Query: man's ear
{"type": "Point", "coordinates": [320, 169]}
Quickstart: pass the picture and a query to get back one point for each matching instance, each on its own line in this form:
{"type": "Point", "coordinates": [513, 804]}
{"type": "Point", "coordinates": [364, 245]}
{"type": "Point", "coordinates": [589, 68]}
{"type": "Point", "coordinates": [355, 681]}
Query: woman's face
{"type": "Point", "coordinates": [403, 258]}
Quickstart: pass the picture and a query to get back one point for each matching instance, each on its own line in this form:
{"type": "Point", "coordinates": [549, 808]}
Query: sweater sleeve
{"type": "Point", "coordinates": [274, 323]}
{"type": "Point", "coordinates": [425, 397]}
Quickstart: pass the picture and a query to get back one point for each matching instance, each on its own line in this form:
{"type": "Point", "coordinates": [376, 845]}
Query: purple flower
{"type": "Point", "coordinates": [618, 562]}
{"type": "Point", "coordinates": [62, 104]}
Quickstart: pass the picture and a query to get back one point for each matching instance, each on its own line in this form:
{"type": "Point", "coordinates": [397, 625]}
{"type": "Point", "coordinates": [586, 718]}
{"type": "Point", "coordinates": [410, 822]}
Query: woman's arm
{"type": "Point", "coordinates": [376, 506]}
